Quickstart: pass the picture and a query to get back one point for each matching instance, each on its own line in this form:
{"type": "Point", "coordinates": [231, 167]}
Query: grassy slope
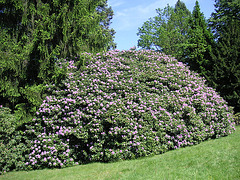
{"type": "Point", "coordinates": [214, 159]}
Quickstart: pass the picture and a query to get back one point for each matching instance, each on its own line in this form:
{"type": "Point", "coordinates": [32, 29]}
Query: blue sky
{"type": "Point", "coordinates": [129, 15]}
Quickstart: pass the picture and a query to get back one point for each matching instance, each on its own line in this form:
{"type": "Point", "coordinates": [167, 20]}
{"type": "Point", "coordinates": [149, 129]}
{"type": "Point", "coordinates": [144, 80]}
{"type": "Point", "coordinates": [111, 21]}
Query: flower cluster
{"type": "Point", "coordinates": [123, 105]}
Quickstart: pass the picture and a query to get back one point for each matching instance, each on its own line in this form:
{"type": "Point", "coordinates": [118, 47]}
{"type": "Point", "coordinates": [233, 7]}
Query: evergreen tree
{"type": "Point", "coordinates": [36, 33]}
{"type": "Point", "coordinates": [12, 69]}
{"type": "Point", "coordinates": [106, 14]}
{"type": "Point", "coordinates": [198, 49]}
{"type": "Point", "coordinates": [227, 66]}
{"type": "Point", "coordinates": [225, 11]}
{"type": "Point", "coordinates": [225, 23]}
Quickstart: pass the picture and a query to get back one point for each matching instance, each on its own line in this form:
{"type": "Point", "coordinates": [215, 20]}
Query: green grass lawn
{"type": "Point", "coordinates": [214, 159]}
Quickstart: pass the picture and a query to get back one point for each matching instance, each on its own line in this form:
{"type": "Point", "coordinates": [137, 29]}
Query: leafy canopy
{"type": "Point", "coordinates": [166, 31]}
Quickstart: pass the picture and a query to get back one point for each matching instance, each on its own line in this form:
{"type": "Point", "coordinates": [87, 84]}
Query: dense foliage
{"type": "Point", "coordinates": [124, 105]}
{"type": "Point", "coordinates": [35, 33]}
{"type": "Point", "coordinates": [167, 31]}
{"type": "Point", "coordinates": [184, 35]}
{"type": "Point", "coordinates": [225, 23]}
{"type": "Point", "coordinates": [12, 148]}
{"type": "Point", "coordinates": [226, 11]}
{"type": "Point", "coordinates": [212, 49]}
{"type": "Point", "coordinates": [199, 45]}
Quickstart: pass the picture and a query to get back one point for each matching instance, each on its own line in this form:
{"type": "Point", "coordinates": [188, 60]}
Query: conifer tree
{"type": "Point", "coordinates": [227, 65]}
{"type": "Point", "coordinates": [225, 22]}
{"type": "Point", "coordinates": [34, 34]}
{"type": "Point", "coordinates": [198, 49]}
{"type": "Point", "coordinates": [106, 15]}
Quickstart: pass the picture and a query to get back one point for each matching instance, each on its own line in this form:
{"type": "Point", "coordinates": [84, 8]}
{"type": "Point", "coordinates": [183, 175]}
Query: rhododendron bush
{"type": "Point", "coordinates": [124, 105]}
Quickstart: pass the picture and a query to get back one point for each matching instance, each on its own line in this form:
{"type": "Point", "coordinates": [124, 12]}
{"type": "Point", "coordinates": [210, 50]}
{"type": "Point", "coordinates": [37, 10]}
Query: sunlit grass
{"type": "Point", "coordinates": [213, 159]}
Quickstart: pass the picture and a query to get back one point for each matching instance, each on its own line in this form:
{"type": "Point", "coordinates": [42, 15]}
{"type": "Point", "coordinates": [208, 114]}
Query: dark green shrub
{"type": "Point", "coordinates": [237, 118]}
{"type": "Point", "coordinates": [12, 154]}
{"type": "Point", "coordinates": [12, 147]}
{"type": "Point", "coordinates": [7, 123]}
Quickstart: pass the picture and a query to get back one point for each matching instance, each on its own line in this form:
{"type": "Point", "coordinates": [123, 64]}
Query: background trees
{"type": "Point", "coordinates": [211, 49]}
{"type": "Point", "coordinates": [166, 31]}
{"type": "Point", "coordinates": [225, 22]}
{"type": "Point", "coordinates": [34, 34]}
{"type": "Point", "coordinates": [200, 42]}
{"type": "Point", "coordinates": [178, 32]}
